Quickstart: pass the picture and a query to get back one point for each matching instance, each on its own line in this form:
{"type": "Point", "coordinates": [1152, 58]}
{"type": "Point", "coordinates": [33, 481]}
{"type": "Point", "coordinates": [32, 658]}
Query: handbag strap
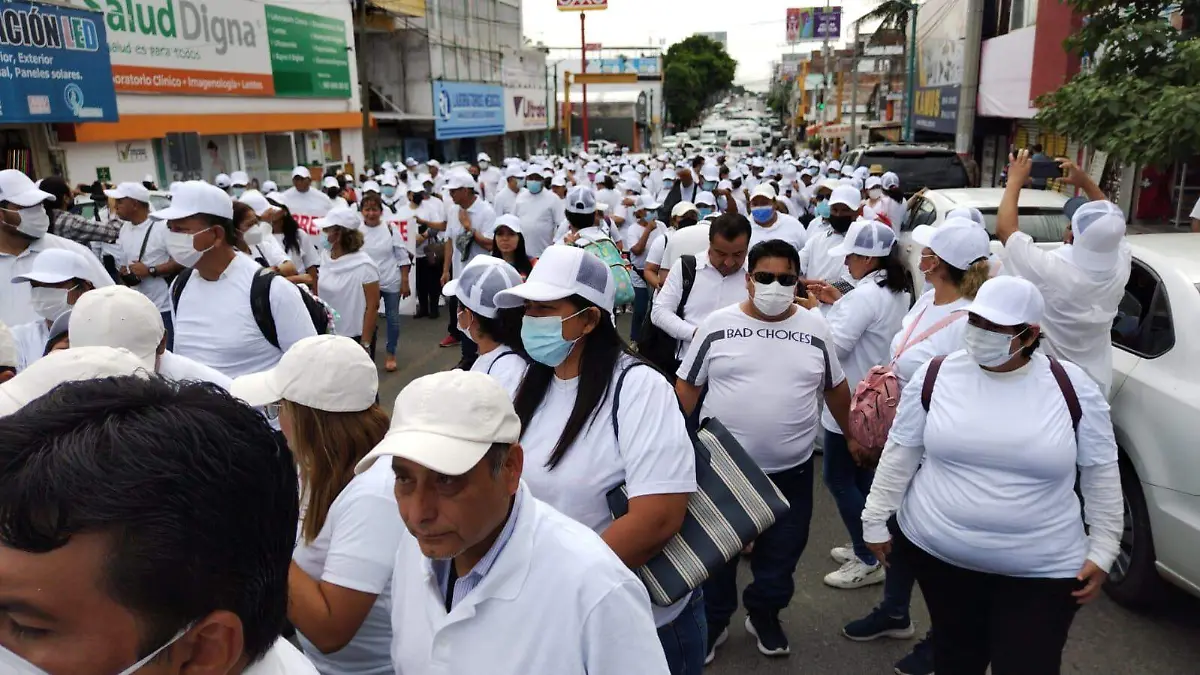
{"type": "Point", "coordinates": [617, 397]}
{"type": "Point", "coordinates": [946, 321]}
{"type": "Point", "coordinates": [145, 240]}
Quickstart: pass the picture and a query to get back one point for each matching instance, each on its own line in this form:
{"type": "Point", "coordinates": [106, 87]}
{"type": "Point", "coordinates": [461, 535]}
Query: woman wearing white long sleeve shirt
{"type": "Point", "coordinates": [991, 523]}
{"type": "Point", "coordinates": [349, 279]}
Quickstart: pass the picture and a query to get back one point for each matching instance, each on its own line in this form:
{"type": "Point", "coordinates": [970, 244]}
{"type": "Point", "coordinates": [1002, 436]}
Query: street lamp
{"type": "Point", "coordinates": [910, 85]}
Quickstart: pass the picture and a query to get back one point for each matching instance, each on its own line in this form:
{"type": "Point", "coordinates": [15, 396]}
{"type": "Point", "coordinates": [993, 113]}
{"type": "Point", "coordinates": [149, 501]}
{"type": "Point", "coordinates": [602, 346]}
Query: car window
{"type": "Point", "coordinates": [1044, 225]}
{"type": "Point", "coordinates": [921, 212]}
{"type": "Point", "coordinates": [1143, 323]}
{"type": "Point", "coordinates": [919, 168]}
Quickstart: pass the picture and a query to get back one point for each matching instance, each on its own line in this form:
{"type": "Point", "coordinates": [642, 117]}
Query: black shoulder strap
{"type": "Point", "coordinates": [930, 378]}
{"type": "Point", "coordinates": [617, 395]}
{"type": "Point", "coordinates": [145, 240]}
{"type": "Point", "coordinates": [260, 304]}
{"type": "Point", "coordinates": [497, 360]}
{"type": "Point", "coordinates": [1068, 392]}
{"type": "Point", "coordinates": [177, 286]}
{"type": "Point", "coordinates": [689, 278]}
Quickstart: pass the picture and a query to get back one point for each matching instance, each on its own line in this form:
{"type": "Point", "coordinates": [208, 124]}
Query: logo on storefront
{"type": "Point", "coordinates": [517, 101]}
{"type": "Point", "coordinates": [73, 95]}
{"type": "Point", "coordinates": [444, 105]}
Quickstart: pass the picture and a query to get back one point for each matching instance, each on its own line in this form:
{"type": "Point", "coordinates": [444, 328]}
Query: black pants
{"type": "Point", "coordinates": [470, 351]}
{"type": "Point", "coordinates": [429, 287]}
{"type": "Point", "coordinates": [1017, 625]}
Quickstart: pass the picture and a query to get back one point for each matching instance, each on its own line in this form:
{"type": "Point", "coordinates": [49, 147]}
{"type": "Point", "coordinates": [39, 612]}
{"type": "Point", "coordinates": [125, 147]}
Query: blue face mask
{"type": "Point", "coordinates": [324, 242]}
{"type": "Point", "coordinates": [709, 185]}
{"type": "Point", "coordinates": [544, 341]}
{"type": "Point", "coordinates": [520, 183]}
{"type": "Point", "coordinates": [762, 214]}
{"type": "Point", "coordinates": [389, 191]}
{"type": "Point", "coordinates": [534, 186]}
{"type": "Point", "coordinates": [667, 183]}
{"type": "Point", "coordinates": [822, 208]}
{"type": "Point", "coordinates": [704, 211]}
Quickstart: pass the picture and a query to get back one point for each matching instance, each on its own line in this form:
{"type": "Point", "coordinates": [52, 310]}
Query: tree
{"type": "Point", "coordinates": [695, 70]}
{"type": "Point", "coordinates": [1137, 97]}
{"type": "Point", "coordinates": [891, 15]}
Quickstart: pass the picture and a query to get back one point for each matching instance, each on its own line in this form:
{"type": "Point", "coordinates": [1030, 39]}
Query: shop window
{"type": "Point", "coordinates": [1015, 15]}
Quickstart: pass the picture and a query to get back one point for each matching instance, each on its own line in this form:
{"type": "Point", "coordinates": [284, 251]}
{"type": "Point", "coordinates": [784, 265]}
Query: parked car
{"type": "Point", "coordinates": [1039, 214]}
{"type": "Point", "coordinates": [1156, 417]}
{"type": "Point", "coordinates": [918, 166]}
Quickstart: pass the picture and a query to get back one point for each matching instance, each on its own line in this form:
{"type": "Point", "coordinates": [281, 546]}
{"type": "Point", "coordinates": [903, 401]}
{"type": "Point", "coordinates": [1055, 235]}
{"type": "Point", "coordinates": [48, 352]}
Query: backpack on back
{"type": "Point", "coordinates": [606, 250]}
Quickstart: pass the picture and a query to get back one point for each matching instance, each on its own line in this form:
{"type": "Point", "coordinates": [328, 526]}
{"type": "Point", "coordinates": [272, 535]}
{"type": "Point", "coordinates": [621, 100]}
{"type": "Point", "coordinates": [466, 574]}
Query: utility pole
{"type": "Point", "coordinates": [910, 88]}
{"type": "Point", "coordinates": [825, 71]}
{"type": "Point", "coordinates": [364, 84]}
{"type": "Point", "coordinates": [583, 69]}
{"type": "Point", "coordinates": [972, 44]}
{"type": "Point", "coordinates": [854, 91]}
{"type": "Point", "coordinates": [557, 111]}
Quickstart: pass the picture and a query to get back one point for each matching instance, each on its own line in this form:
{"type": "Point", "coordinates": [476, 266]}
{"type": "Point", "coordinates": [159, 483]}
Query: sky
{"type": "Point", "coordinates": [756, 36]}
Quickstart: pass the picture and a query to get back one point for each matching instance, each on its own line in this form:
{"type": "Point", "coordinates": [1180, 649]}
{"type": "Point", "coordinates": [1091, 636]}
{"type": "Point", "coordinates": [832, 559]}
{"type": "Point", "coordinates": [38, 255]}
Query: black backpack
{"type": "Point", "coordinates": [260, 304]}
{"type": "Point", "coordinates": [655, 345]}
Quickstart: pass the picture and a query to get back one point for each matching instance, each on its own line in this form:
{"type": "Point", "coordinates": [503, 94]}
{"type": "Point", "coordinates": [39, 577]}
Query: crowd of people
{"type": "Point", "coordinates": [197, 475]}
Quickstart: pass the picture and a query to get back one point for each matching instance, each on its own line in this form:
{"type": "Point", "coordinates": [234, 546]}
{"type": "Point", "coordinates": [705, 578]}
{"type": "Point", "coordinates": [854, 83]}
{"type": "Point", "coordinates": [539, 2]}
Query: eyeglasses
{"type": "Point", "coordinates": [770, 278]}
{"type": "Point", "coordinates": [273, 410]}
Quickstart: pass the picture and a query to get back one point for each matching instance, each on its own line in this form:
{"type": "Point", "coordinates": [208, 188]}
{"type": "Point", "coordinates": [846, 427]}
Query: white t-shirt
{"type": "Point", "coordinates": [356, 549]}
{"type": "Point", "coordinates": [483, 220]}
{"type": "Point", "coordinates": [862, 324]}
{"type": "Point", "coordinates": [282, 659]}
{"type": "Point", "coordinates": [180, 368]}
{"type": "Point", "coordinates": [506, 200]}
{"type": "Point", "coordinates": [993, 495]}
{"type": "Point", "coordinates": [130, 242]}
{"type": "Point", "coordinates": [652, 456]}
{"type": "Point", "coordinates": [30, 339]}
{"type": "Point", "coordinates": [785, 227]}
{"type": "Point", "coordinates": [386, 247]}
{"type": "Point", "coordinates": [540, 215]}
{"type": "Point", "coordinates": [505, 365]}
{"type": "Point", "coordinates": [948, 339]}
{"type": "Point", "coordinates": [431, 210]}
{"type": "Point", "coordinates": [239, 347]}
{"type": "Point", "coordinates": [16, 307]}
{"type": "Point", "coordinates": [490, 180]}
{"type": "Point", "coordinates": [815, 261]}
{"type": "Point", "coordinates": [688, 241]}
{"type": "Point", "coordinates": [307, 207]}
{"type": "Point", "coordinates": [308, 256]}
{"type": "Point", "coordinates": [341, 285]}
{"type": "Point", "coordinates": [765, 380]}
{"type": "Point", "coordinates": [270, 251]}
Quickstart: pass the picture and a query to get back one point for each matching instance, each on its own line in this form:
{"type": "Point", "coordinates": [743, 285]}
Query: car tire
{"type": "Point", "coordinates": [1134, 581]}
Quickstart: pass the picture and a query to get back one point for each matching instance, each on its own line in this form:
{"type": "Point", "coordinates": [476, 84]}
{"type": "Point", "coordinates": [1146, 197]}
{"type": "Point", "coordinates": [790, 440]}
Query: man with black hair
{"type": "Point", "coordinates": [151, 558]}
{"type": "Point", "coordinates": [213, 317]}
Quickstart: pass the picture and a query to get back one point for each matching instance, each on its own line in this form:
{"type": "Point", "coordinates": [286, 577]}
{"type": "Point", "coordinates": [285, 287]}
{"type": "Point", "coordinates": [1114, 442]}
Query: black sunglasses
{"type": "Point", "coordinates": [770, 278]}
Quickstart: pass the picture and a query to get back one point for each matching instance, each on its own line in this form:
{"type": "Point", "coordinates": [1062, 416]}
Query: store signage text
{"type": "Point", "coordinates": [194, 23]}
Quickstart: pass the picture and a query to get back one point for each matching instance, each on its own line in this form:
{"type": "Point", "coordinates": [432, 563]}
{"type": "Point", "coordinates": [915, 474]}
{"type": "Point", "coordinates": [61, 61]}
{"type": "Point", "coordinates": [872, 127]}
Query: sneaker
{"type": "Point", "coordinates": [771, 639]}
{"type": "Point", "coordinates": [878, 624]}
{"type": "Point", "coordinates": [919, 661]}
{"type": "Point", "coordinates": [842, 554]}
{"type": "Point", "coordinates": [856, 574]}
{"type": "Point", "coordinates": [449, 341]}
{"type": "Point", "coordinates": [715, 641]}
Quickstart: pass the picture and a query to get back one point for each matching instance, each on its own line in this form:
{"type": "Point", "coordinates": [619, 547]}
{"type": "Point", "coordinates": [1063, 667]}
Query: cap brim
{"type": "Point", "coordinates": [994, 315]}
{"type": "Point", "coordinates": [41, 278]}
{"type": "Point", "coordinates": [114, 194]}
{"type": "Point", "coordinates": [923, 234]}
{"type": "Point", "coordinates": [29, 198]}
{"type": "Point", "coordinates": [445, 455]}
{"type": "Point", "coordinates": [173, 213]}
{"type": "Point", "coordinates": [536, 291]}
{"type": "Point", "coordinates": [256, 389]}
{"type": "Point", "coordinates": [840, 251]}
{"type": "Point", "coordinates": [450, 290]}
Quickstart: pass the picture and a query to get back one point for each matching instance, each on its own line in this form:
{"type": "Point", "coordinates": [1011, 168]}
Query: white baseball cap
{"type": "Point", "coordinates": [301, 172]}
{"type": "Point", "coordinates": [681, 208]}
{"type": "Point", "coordinates": [386, 179]}
{"type": "Point", "coordinates": [874, 182]}
{"type": "Point", "coordinates": [269, 186]}
{"type": "Point", "coordinates": [255, 200]}
{"type": "Point", "coordinates": [340, 216]}
{"type": "Point", "coordinates": [195, 196]}
{"type": "Point", "coordinates": [561, 272]}
{"type": "Point", "coordinates": [970, 213]}
{"type": "Point", "coordinates": [325, 372]}
{"type": "Point", "coordinates": [580, 199]}
{"type": "Point", "coordinates": [764, 190]}
{"type": "Point", "coordinates": [890, 180]}
{"type": "Point", "coordinates": [1009, 301]}
{"type": "Point", "coordinates": [239, 179]}
{"type": "Point", "coordinates": [508, 220]}
{"type": "Point", "coordinates": [134, 191]}
{"type": "Point", "coordinates": [483, 157]}
{"type": "Point", "coordinates": [66, 365]}
{"type": "Point", "coordinates": [835, 166]}
{"type": "Point", "coordinates": [513, 171]}
{"type": "Point", "coordinates": [480, 281]}
{"type": "Point", "coordinates": [56, 265]}
{"type": "Point", "coordinates": [1099, 229]}
{"type": "Point", "coordinates": [8, 348]}
{"type": "Point", "coordinates": [222, 180]}
{"type": "Point", "coordinates": [117, 316]}
{"type": "Point", "coordinates": [20, 189]}
{"type": "Point", "coordinates": [847, 195]}
{"type": "Point", "coordinates": [957, 241]}
{"type": "Point", "coordinates": [706, 198]}
{"type": "Point", "coordinates": [646, 201]}
{"type": "Point", "coordinates": [869, 238]}
{"type": "Point", "coordinates": [410, 162]}
{"type": "Point", "coordinates": [433, 162]}
{"type": "Point", "coordinates": [330, 182]}
{"type": "Point", "coordinates": [558, 181]}
{"type": "Point", "coordinates": [710, 172]}
{"type": "Point", "coordinates": [371, 186]}
{"type": "Point", "coordinates": [458, 180]}
{"type": "Point", "coordinates": [448, 439]}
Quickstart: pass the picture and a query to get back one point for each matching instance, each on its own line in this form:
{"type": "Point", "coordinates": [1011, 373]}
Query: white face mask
{"type": "Point", "coordinates": [774, 298]}
{"type": "Point", "coordinates": [875, 193]}
{"type": "Point", "coordinates": [49, 303]}
{"type": "Point", "coordinates": [465, 330]}
{"type": "Point", "coordinates": [255, 235]}
{"type": "Point", "coordinates": [35, 222]}
{"type": "Point", "coordinates": [183, 249]}
{"type": "Point", "coordinates": [988, 348]}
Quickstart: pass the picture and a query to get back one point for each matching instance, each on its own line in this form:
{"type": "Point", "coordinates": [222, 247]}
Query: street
{"type": "Point", "coordinates": [1105, 638]}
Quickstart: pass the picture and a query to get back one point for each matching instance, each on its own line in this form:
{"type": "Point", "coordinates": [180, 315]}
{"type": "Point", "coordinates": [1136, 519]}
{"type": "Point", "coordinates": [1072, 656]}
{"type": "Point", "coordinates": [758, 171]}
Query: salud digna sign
{"type": "Point", "coordinates": [186, 19]}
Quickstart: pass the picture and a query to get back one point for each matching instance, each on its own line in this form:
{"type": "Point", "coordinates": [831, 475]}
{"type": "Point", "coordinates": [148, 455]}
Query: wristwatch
{"type": "Point", "coordinates": [153, 270]}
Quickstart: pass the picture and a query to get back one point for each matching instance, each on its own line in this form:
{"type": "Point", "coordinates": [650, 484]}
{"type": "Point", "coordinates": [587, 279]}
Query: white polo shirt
{"type": "Point", "coordinates": [307, 206]}
{"type": "Point", "coordinates": [690, 240]}
{"type": "Point", "coordinates": [506, 200]}
{"type": "Point", "coordinates": [387, 249]}
{"type": "Point", "coordinates": [710, 292]}
{"type": "Point", "coordinates": [16, 307]}
{"type": "Point", "coordinates": [30, 339]}
{"type": "Point", "coordinates": [556, 600]}
{"type": "Point", "coordinates": [785, 227]}
{"type": "Point", "coordinates": [483, 219]}
{"type": "Point", "coordinates": [154, 234]}
{"type": "Point", "coordinates": [815, 261]}
{"type": "Point", "coordinates": [341, 285]}
{"type": "Point", "coordinates": [282, 659]}
{"type": "Point", "coordinates": [765, 380]}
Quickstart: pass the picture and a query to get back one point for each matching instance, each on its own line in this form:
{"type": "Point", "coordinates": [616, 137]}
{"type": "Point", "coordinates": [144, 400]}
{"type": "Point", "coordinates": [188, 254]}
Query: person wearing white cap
{"type": "Point", "coordinates": [298, 246]}
{"type": "Point", "coordinates": [383, 240]}
{"type": "Point", "coordinates": [429, 213]}
{"type": "Point", "coordinates": [332, 187]}
{"type": "Point", "coordinates": [55, 282]}
{"type": "Point", "coordinates": [861, 327]}
{"type": "Point", "coordinates": [489, 178]}
{"type": "Point", "coordinates": [145, 264]}
{"type": "Point", "coordinates": [389, 189]}
{"type": "Point", "coordinates": [706, 205]}
{"type": "Point", "coordinates": [305, 203]}
{"type": "Point", "coordinates": [899, 206]}
{"type": "Point", "coordinates": [254, 235]}
{"type": "Point", "coordinates": [510, 245]}
{"type": "Point", "coordinates": [834, 170]}
{"type": "Point", "coordinates": [61, 366]}
{"type": "Point", "coordinates": [495, 330]}
{"type": "Point", "coordinates": [585, 219]}
{"type": "Point", "coordinates": [815, 262]}
{"type": "Point", "coordinates": [769, 351]}
{"type": "Point", "coordinates": [684, 189]}
{"type": "Point", "coordinates": [239, 181]}
{"type": "Point", "coordinates": [643, 230]}
{"type": "Point", "coordinates": [687, 235]}
{"type": "Point", "coordinates": [349, 279]}
{"type": "Point", "coordinates": [216, 291]}
{"type": "Point", "coordinates": [325, 391]}
{"type": "Point", "coordinates": [411, 163]}
{"type": "Point", "coordinates": [222, 181]}
{"type": "Point", "coordinates": [877, 201]}
{"type": "Point", "coordinates": [1083, 282]}
{"type": "Point", "coordinates": [469, 232]}
{"type": "Point", "coordinates": [436, 176]}
{"type": "Point", "coordinates": [269, 186]}
{"type": "Point", "coordinates": [768, 223]}
{"type": "Point", "coordinates": [507, 194]}
{"type": "Point", "coordinates": [148, 182]}
{"type": "Point", "coordinates": [578, 359]}
{"type": "Point", "coordinates": [8, 354]}
{"type": "Point", "coordinates": [488, 578]}
{"type": "Point", "coordinates": [992, 524]}
{"type": "Point", "coordinates": [539, 210]}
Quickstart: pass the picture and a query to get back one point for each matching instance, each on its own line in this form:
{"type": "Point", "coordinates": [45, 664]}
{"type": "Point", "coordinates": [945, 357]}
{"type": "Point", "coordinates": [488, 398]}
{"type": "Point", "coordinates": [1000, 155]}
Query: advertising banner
{"type": "Point", "coordinates": [813, 23]}
{"type": "Point", "coordinates": [525, 109]}
{"type": "Point", "coordinates": [464, 110]}
{"type": "Point", "coordinates": [581, 5]}
{"type": "Point", "coordinates": [939, 66]}
{"type": "Point", "coordinates": [54, 65]}
{"type": "Point", "coordinates": [224, 47]}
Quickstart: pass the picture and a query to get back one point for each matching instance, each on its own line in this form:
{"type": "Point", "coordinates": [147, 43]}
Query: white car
{"type": "Point", "coordinates": [1039, 213]}
{"type": "Point", "coordinates": [1156, 417]}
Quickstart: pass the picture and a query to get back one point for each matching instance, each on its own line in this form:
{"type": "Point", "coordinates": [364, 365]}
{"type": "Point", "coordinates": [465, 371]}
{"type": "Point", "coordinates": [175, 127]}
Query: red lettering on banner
{"type": "Point", "coordinates": [306, 223]}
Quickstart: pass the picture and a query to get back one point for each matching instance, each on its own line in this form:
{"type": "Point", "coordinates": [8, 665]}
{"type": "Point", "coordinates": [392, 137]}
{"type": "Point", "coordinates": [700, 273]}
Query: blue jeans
{"type": "Point", "coordinates": [849, 484]}
{"type": "Point", "coordinates": [641, 303]}
{"type": "Point", "coordinates": [776, 554]}
{"type": "Point", "coordinates": [391, 310]}
{"type": "Point", "coordinates": [683, 639]}
{"type": "Point", "coordinates": [898, 584]}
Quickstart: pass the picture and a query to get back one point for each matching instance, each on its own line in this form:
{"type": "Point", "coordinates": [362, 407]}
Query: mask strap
{"type": "Point", "coordinates": [154, 654]}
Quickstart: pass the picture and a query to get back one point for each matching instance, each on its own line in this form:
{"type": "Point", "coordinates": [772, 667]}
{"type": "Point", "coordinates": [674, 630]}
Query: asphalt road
{"type": "Point", "coordinates": [1105, 639]}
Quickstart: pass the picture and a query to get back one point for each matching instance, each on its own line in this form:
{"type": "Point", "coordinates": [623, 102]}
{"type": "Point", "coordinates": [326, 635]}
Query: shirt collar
{"type": "Point", "coordinates": [441, 568]}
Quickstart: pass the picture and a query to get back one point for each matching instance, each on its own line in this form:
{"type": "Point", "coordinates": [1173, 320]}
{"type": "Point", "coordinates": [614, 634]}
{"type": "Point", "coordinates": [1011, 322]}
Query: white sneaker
{"type": "Point", "coordinates": [712, 649]}
{"type": "Point", "coordinates": [856, 574]}
{"type": "Point", "coordinates": [842, 554]}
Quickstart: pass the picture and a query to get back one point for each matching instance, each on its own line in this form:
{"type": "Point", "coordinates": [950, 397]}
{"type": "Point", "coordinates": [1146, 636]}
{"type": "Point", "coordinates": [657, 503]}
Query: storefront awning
{"type": "Point", "coordinates": [141, 127]}
{"type": "Point", "coordinates": [401, 117]}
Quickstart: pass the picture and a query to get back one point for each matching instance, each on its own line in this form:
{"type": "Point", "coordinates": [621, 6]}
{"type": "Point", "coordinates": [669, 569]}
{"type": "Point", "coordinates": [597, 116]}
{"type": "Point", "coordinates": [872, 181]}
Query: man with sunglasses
{"type": "Point", "coordinates": [767, 363]}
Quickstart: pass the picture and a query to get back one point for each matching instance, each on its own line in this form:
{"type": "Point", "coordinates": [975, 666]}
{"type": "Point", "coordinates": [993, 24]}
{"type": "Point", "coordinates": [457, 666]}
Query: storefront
{"type": "Point", "coordinates": [525, 120]}
{"type": "Point", "coordinates": [468, 120]}
{"type": "Point", "coordinates": [222, 86]}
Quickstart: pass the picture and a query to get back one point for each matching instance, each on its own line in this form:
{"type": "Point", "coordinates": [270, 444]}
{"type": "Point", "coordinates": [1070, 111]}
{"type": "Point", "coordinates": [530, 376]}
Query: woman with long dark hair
{"type": "Point", "coordinates": [252, 234]}
{"type": "Point", "coordinates": [495, 331]}
{"type": "Point", "coordinates": [595, 416]}
{"type": "Point", "coordinates": [295, 241]}
{"type": "Point", "coordinates": [510, 245]}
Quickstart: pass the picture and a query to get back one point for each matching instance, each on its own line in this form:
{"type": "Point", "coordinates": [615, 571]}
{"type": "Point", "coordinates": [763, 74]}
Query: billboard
{"type": "Point", "coordinates": [525, 109]}
{"type": "Point", "coordinates": [233, 47]}
{"type": "Point", "coordinates": [813, 23]}
{"type": "Point", "coordinates": [581, 5]}
{"type": "Point", "coordinates": [54, 65]}
{"type": "Point", "coordinates": [465, 110]}
{"type": "Point", "coordinates": [940, 66]}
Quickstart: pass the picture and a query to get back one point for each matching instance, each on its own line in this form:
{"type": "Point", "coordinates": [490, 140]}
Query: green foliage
{"type": "Point", "coordinates": [891, 15]}
{"type": "Point", "coordinates": [1140, 101]}
{"type": "Point", "coordinates": [695, 70]}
